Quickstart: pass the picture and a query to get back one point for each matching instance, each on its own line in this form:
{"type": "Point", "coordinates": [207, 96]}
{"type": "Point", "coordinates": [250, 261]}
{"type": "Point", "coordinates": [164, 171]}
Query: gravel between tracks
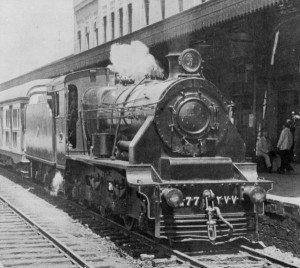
{"type": "Point", "coordinates": [286, 256]}
{"type": "Point", "coordinates": [60, 224]}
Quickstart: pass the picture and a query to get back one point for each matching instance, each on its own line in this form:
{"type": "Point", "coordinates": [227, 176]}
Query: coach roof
{"type": "Point", "coordinates": [21, 92]}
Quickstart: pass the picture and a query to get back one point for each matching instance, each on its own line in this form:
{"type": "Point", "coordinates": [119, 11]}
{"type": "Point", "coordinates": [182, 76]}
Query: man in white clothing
{"type": "Point", "coordinates": [263, 147]}
{"type": "Point", "coordinates": [284, 146]}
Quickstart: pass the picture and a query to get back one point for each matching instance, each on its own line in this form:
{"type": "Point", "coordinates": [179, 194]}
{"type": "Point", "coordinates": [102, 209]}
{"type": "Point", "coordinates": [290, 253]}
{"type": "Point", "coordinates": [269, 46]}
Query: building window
{"type": "Point", "coordinates": [163, 8]}
{"type": "Point", "coordinates": [147, 3]}
{"type": "Point", "coordinates": [79, 40]}
{"type": "Point", "coordinates": [87, 36]}
{"type": "Point", "coordinates": [180, 3]}
{"type": "Point", "coordinates": [7, 118]}
{"type": "Point", "coordinates": [96, 33]}
{"type": "Point", "coordinates": [104, 29]}
{"type": "Point", "coordinates": [129, 18]}
{"type": "Point", "coordinates": [112, 25]}
{"type": "Point", "coordinates": [16, 118]}
{"type": "Point", "coordinates": [121, 21]}
{"type": "Point", "coordinates": [14, 139]}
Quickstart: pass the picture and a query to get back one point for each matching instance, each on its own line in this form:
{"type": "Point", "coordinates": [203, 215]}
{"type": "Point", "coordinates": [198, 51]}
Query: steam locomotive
{"type": "Point", "coordinates": [163, 155]}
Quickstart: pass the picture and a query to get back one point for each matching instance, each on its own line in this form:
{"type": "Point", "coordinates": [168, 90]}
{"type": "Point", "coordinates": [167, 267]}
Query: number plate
{"type": "Point", "coordinates": [190, 201]}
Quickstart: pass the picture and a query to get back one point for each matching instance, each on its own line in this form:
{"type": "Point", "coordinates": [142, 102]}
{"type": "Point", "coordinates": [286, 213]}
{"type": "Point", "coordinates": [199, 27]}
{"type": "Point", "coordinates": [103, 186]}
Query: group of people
{"type": "Point", "coordinates": [278, 159]}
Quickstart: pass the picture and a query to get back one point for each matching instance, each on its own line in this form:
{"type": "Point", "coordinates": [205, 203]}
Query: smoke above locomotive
{"type": "Point", "coordinates": [133, 60]}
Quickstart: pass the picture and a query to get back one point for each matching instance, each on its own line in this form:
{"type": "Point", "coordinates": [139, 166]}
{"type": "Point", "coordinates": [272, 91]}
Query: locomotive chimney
{"type": "Point", "coordinates": [174, 68]}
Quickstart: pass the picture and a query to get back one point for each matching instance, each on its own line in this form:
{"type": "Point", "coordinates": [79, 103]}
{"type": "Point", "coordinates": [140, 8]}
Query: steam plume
{"type": "Point", "coordinates": [56, 183]}
{"type": "Point", "coordinates": [132, 60]}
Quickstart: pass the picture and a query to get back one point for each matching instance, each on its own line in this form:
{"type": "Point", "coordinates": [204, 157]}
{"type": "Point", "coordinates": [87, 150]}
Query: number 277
{"type": "Point", "coordinates": [189, 199]}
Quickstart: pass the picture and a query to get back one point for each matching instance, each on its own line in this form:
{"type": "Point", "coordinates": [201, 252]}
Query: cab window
{"type": "Point", "coordinates": [56, 100]}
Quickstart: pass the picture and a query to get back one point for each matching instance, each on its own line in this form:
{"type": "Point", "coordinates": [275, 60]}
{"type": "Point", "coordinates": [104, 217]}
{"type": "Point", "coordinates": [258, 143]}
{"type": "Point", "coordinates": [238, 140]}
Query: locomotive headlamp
{"type": "Point", "coordinates": [256, 194]}
{"type": "Point", "coordinates": [173, 197]}
{"type": "Point", "coordinates": [190, 60]}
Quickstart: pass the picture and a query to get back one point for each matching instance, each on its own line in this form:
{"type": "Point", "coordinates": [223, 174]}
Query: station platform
{"type": "Point", "coordinates": [286, 187]}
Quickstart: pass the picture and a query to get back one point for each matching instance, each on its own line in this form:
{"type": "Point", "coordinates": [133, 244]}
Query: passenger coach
{"type": "Point", "coordinates": [12, 121]}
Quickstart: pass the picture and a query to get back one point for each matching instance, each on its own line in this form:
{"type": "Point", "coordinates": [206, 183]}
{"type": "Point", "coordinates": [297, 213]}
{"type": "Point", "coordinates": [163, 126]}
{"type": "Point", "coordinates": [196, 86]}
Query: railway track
{"type": "Point", "coordinates": [24, 242]}
{"type": "Point", "coordinates": [149, 253]}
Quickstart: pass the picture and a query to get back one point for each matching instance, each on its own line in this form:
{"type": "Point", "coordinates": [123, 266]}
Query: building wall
{"type": "Point", "coordinates": [86, 22]}
{"type": "Point", "coordinates": [101, 21]}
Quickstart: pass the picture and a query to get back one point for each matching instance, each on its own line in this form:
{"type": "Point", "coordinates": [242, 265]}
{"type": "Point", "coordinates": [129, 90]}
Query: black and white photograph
{"type": "Point", "coordinates": [150, 133]}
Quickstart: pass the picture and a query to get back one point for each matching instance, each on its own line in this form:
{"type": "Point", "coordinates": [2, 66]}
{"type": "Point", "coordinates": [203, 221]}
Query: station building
{"type": "Point", "coordinates": [100, 21]}
{"type": "Point", "coordinates": [250, 48]}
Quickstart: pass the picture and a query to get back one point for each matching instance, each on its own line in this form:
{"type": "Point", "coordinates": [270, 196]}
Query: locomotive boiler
{"type": "Point", "coordinates": [164, 156]}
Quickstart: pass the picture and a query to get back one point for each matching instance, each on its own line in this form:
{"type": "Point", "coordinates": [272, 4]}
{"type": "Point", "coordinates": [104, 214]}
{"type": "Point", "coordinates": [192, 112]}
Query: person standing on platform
{"type": "Point", "coordinates": [296, 119]}
{"type": "Point", "coordinates": [263, 148]}
{"type": "Point", "coordinates": [284, 146]}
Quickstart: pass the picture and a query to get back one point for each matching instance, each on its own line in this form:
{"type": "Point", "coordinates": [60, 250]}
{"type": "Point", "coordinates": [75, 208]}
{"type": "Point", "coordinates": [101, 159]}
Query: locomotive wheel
{"type": "Point", "coordinates": [130, 223]}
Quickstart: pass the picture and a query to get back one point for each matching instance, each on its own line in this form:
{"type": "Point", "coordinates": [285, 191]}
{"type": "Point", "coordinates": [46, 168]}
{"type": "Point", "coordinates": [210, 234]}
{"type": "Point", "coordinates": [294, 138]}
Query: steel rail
{"type": "Point", "coordinates": [182, 257]}
{"type": "Point", "coordinates": [75, 258]}
{"type": "Point", "coordinates": [268, 257]}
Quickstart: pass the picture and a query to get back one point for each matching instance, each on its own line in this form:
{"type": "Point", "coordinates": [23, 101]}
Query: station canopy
{"type": "Point", "coordinates": [197, 18]}
{"type": "Point", "coordinates": [202, 16]}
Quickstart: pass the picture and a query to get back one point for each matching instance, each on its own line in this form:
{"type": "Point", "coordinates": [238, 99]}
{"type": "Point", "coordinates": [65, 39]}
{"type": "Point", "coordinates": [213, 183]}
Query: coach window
{"type": "Point", "coordinates": [16, 118]}
{"type": "Point", "coordinates": [15, 139]}
{"type": "Point", "coordinates": [7, 138]}
{"type": "Point", "coordinates": [7, 118]}
{"type": "Point", "coordinates": [15, 126]}
{"type": "Point", "coordinates": [8, 125]}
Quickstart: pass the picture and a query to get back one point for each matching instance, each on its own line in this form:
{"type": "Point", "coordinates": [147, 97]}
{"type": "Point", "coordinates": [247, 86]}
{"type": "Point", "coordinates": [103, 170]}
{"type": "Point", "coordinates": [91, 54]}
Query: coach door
{"type": "Point", "coordinates": [60, 126]}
